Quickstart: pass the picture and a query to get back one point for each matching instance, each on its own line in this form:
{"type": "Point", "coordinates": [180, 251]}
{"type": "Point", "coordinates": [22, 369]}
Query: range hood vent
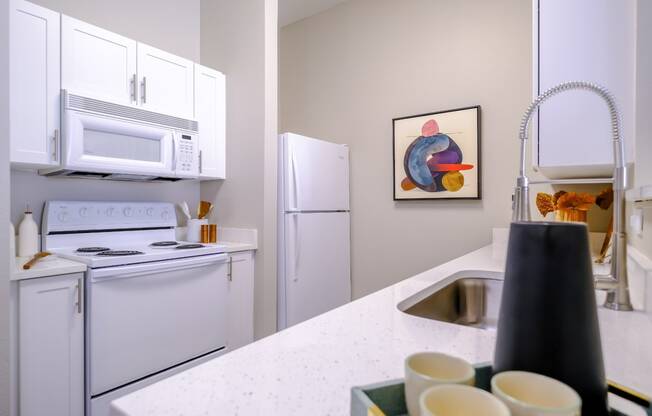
{"type": "Point", "coordinates": [78, 102]}
{"type": "Point", "coordinates": [108, 176]}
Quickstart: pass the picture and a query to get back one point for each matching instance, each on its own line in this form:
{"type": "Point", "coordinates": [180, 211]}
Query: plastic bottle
{"type": "Point", "coordinates": [27, 235]}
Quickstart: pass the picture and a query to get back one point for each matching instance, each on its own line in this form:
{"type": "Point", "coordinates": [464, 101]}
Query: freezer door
{"type": "Point", "coordinates": [317, 272]}
{"type": "Point", "coordinates": [316, 174]}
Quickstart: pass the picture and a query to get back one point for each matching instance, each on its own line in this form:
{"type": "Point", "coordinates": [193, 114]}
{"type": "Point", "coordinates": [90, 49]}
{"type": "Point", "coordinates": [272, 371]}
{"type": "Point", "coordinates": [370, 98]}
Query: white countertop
{"type": "Point", "coordinates": [48, 266]}
{"type": "Point", "coordinates": [311, 367]}
{"type": "Point", "coordinates": [232, 247]}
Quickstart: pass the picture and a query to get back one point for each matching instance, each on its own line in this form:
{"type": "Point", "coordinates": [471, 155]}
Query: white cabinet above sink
{"type": "Point", "coordinates": [582, 40]}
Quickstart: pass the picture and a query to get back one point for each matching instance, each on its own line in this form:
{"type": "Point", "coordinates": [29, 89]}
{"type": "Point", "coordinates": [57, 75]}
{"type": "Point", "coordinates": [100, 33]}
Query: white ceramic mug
{"type": "Point", "coordinates": [427, 369]}
{"type": "Point", "coordinates": [531, 394]}
{"type": "Point", "coordinates": [459, 400]}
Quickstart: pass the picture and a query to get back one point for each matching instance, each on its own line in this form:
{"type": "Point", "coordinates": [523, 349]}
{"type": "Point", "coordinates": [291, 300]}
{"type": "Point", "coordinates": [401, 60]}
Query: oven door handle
{"type": "Point", "coordinates": [137, 270]}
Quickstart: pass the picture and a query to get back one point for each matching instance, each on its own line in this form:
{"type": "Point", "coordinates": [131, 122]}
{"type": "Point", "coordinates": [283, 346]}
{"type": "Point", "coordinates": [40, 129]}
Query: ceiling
{"type": "Point", "coordinates": [290, 11]}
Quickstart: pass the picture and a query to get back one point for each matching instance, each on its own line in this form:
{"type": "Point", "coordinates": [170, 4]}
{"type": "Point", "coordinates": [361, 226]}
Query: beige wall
{"type": "Point", "coordinates": [239, 38]}
{"type": "Point", "coordinates": [345, 73]}
{"type": "Point", "coordinates": [171, 25]}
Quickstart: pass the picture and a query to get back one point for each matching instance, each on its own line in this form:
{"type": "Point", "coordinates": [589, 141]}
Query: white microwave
{"type": "Point", "coordinates": [111, 141]}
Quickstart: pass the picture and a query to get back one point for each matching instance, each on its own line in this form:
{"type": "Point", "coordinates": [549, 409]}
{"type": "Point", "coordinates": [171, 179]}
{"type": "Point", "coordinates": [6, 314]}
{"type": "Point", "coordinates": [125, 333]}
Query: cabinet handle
{"type": "Point", "coordinates": [55, 146]}
{"type": "Point", "coordinates": [230, 272]}
{"type": "Point", "coordinates": [201, 164]}
{"type": "Point", "coordinates": [144, 92]}
{"type": "Point", "coordinates": [133, 88]}
{"type": "Point", "coordinates": [80, 288]}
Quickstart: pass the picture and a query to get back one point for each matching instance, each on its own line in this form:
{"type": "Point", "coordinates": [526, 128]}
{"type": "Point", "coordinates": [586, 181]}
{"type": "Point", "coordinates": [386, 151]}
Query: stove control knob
{"type": "Point", "coordinates": [63, 216]}
{"type": "Point", "coordinates": [149, 212]}
{"type": "Point", "coordinates": [165, 215]}
{"type": "Point", "coordinates": [110, 212]}
{"type": "Point", "coordinates": [128, 212]}
{"type": "Point", "coordinates": [83, 212]}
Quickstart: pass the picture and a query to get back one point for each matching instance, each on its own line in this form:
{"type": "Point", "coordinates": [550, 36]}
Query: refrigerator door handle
{"type": "Point", "coordinates": [297, 249]}
{"type": "Point", "coordinates": [295, 181]}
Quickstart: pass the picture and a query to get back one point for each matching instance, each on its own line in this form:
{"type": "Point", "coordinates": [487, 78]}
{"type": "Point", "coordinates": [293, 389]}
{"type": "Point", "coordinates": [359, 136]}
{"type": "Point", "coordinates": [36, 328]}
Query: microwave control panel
{"type": "Point", "coordinates": [187, 160]}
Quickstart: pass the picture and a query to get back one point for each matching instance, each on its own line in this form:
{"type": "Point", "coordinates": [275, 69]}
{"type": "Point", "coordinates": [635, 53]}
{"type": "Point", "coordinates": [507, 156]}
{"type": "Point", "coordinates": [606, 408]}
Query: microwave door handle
{"type": "Point", "coordinates": [175, 143]}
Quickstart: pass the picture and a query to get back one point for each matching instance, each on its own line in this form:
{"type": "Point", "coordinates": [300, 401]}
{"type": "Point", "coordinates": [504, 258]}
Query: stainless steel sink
{"type": "Point", "coordinates": [469, 297]}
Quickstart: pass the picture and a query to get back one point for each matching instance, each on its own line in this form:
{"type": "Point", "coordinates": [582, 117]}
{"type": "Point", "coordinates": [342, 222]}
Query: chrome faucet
{"type": "Point", "coordinates": [616, 282]}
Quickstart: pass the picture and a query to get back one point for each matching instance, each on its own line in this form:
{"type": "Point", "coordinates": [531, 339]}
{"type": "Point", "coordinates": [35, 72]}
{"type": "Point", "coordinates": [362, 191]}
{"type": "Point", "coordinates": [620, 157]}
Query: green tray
{"type": "Point", "coordinates": [388, 398]}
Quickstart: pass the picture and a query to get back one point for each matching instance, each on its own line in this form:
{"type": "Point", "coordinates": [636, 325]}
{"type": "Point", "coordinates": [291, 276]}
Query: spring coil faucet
{"type": "Point", "coordinates": [616, 283]}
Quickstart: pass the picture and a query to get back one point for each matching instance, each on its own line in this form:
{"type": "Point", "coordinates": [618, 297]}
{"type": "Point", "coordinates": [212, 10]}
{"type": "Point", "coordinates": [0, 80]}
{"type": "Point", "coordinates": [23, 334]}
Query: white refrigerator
{"type": "Point", "coordinates": [314, 272]}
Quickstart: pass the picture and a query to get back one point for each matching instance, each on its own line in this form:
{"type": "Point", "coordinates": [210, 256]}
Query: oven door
{"type": "Point", "coordinates": [149, 317]}
{"type": "Point", "coordinates": [102, 144]}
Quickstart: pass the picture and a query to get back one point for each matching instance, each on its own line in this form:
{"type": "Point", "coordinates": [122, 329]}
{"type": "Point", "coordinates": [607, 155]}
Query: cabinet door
{"type": "Point", "coordinates": [584, 40]}
{"type": "Point", "coordinates": [34, 62]}
{"type": "Point", "coordinates": [210, 112]}
{"type": "Point", "coordinates": [51, 341]}
{"type": "Point", "coordinates": [166, 82]}
{"type": "Point", "coordinates": [241, 300]}
{"type": "Point", "coordinates": [97, 62]}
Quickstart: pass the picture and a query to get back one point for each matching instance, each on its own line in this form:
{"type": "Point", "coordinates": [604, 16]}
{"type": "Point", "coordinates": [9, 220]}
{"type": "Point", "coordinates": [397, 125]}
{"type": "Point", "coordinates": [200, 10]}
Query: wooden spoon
{"type": "Point", "coordinates": [38, 256]}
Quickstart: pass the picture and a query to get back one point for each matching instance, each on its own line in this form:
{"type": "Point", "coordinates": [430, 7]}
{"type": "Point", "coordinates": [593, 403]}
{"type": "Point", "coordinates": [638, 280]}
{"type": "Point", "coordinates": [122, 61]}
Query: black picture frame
{"type": "Point", "coordinates": [479, 156]}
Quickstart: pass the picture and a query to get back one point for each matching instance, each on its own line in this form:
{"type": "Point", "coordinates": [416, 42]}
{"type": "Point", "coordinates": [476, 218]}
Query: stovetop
{"type": "Point", "coordinates": [109, 233]}
{"type": "Point", "coordinates": [116, 255]}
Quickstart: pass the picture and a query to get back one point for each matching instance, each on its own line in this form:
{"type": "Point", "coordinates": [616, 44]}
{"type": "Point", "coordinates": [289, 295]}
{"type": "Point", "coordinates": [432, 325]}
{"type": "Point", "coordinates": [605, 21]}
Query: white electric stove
{"type": "Point", "coordinates": [152, 304]}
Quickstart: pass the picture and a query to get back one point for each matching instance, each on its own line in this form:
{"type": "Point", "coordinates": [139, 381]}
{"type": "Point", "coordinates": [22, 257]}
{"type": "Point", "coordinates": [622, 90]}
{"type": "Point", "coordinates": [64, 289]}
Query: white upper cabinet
{"type": "Point", "coordinates": [166, 82]}
{"type": "Point", "coordinates": [97, 62]}
{"type": "Point", "coordinates": [51, 345]}
{"type": "Point", "coordinates": [210, 112]}
{"type": "Point", "coordinates": [34, 62]}
{"type": "Point", "coordinates": [583, 40]}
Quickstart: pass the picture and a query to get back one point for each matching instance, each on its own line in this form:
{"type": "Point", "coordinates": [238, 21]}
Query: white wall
{"type": "Point", "coordinates": [4, 210]}
{"type": "Point", "coordinates": [345, 73]}
{"type": "Point", "coordinates": [239, 38]}
{"type": "Point", "coordinates": [172, 25]}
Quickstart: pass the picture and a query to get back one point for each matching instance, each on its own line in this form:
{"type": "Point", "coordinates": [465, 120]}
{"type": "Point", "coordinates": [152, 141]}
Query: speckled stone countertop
{"type": "Point", "coordinates": [310, 368]}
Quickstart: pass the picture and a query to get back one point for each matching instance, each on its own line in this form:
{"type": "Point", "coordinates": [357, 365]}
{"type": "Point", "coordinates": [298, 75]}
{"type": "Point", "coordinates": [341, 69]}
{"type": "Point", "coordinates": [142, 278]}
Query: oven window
{"type": "Point", "coordinates": [121, 146]}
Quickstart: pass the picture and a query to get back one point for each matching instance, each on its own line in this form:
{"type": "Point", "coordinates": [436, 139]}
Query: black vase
{"type": "Point", "coordinates": [548, 320]}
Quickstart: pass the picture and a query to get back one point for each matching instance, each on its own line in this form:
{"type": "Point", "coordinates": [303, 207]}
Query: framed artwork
{"type": "Point", "coordinates": [437, 155]}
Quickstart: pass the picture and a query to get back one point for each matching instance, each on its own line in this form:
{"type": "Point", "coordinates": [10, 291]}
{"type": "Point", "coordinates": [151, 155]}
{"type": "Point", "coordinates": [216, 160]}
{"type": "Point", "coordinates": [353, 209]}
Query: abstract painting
{"type": "Point", "coordinates": [437, 155]}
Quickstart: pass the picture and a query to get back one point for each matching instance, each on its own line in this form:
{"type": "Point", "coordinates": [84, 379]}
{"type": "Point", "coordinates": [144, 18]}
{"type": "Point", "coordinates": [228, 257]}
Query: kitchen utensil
{"type": "Point", "coordinates": [185, 210]}
{"type": "Point", "coordinates": [531, 394]}
{"type": "Point", "coordinates": [457, 400]}
{"type": "Point", "coordinates": [426, 369]}
{"type": "Point", "coordinates": [203, 209]}
{"type": "Point", "coordinates": [548, 321]}
{"type": "Point", "coordinates": [38, 256]}
{"type": "Point", "coordinates": [194, 230]}
{"type": "Point", "coordinates": [27, 235]}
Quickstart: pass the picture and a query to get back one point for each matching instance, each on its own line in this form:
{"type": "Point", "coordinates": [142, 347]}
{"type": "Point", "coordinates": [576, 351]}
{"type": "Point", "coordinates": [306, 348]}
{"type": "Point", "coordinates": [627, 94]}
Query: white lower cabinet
{"type": "Point", "coordinates": [51, 345]}
{"type": "Point", "coordinates": [241, 299]}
